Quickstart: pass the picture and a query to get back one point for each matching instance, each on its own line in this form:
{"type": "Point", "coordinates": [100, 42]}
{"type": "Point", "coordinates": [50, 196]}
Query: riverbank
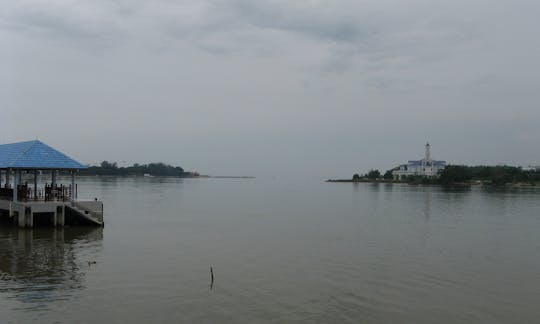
{"type": "Point", "coordinates": [459, 175]}
{"type": "Point", "coordinates": [187, 176]}
{"type": "Point", "coordinates": [366, 180]}
{"type": "Point", "coordinates": [435, 182]}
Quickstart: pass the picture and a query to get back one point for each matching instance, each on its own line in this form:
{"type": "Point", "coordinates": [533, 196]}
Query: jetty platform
{"type": "Point", "coordinates": [31, 193]}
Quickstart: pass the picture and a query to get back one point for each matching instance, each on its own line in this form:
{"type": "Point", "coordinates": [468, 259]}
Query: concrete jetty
{"type": "Point", "coordinates": [52, 213]}
{"type": "Point", "coordinates": [47, 203]}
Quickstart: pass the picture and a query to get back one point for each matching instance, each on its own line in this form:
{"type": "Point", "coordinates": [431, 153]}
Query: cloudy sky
{"type": "Point", "coordinates": [283, 87]}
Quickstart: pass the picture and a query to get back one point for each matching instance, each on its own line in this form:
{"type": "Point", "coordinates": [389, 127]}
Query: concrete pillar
{"type": "Point", "coordinates": [53, 180]}
{"type": "Point", "coordinates": [21, 217]}
{"type": "Point", "coordinates": [19, 175]}
{"type": "Point", "coordinates": [59, 235]}
{"type": "Point", "coordinates": [35, 184]}
{"type": "Point", "coordinates": [53, 185]}
{"type": "Point", "coordinates": [15, 178]}
{"type": "Point", "coordinates": [61, 219]}
{"type": "Point", "coordinates": [29, 215]}
{"type": "Point", "coordinates": [73, 197]}
{"type": "Point", "coordinates": [59, 215]}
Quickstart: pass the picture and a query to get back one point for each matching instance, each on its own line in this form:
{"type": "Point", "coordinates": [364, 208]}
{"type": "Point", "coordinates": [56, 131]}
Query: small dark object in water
{"type": "Point", "coordinates": [91, 262]}
{"type": "Point", "coordinates": [212, 277]}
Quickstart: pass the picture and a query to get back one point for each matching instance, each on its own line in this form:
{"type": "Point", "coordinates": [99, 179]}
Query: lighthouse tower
{"type": "Point", "coordinates": [428, 152]}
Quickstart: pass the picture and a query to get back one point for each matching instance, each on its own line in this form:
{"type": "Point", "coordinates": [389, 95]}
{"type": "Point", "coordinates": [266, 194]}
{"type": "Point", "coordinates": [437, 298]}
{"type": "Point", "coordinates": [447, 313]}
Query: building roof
{"type": "Point", "coordinates": [35, 155]}
{"type": "Point", "coordinates": [419, 163]}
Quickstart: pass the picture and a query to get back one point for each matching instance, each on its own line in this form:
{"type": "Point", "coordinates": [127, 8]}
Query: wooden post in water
{"type": "Point", "coordinates": [212, 277]}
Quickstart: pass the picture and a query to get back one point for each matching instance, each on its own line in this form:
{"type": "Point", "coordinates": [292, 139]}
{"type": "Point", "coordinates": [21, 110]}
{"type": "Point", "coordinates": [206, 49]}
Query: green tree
{"type": "Point", "coordinates": [374, 174]}
{"type": "Point", "coordinates": [356, 177]}
{"type": "Point", "coordinates": [455, 173]}
{"type": "Point", "coordinates": [158, 169]}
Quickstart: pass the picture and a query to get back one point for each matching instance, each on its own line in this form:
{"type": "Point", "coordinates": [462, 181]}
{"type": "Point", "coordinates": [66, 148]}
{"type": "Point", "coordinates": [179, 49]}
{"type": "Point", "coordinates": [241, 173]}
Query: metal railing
{"type": "Point", "coordinates": [47, 193]}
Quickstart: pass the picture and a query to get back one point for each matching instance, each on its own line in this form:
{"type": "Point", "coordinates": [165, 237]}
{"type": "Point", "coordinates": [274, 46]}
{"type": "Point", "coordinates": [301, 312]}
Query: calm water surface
{"type": "Point", "coordinates": [282, 251]}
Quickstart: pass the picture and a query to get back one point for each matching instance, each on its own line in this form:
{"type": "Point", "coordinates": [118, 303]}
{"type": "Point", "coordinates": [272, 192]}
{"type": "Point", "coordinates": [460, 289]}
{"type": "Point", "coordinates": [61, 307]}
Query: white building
{"type": "Point", "coordinates": [425, 167]}
{"type": "Point", "coordinates": [531, 168]}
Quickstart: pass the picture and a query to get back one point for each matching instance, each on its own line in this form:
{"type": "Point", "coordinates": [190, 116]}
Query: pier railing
{"type": "Point", "coordinates": [47, 193]}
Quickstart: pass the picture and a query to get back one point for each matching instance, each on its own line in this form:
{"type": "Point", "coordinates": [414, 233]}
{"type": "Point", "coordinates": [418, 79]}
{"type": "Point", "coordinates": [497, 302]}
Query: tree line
{"type": "Point", "coordinates": [155, 169]}
{"type": "Point", "coordinates": [374, 175]}
{"type": "Point", "coordinates": [497, 175]}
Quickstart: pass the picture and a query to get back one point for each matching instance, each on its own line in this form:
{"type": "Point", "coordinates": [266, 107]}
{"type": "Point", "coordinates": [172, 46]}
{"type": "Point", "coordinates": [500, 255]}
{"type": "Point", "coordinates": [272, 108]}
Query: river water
{"type": "Point", "coordinates": [282, 250]}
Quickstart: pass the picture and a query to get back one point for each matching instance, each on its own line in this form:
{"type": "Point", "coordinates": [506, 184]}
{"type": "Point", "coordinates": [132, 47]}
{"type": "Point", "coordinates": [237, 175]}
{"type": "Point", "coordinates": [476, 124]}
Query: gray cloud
{"type": "Point", "coordinates": [318, 21]}
{"type": "Point", "coordinates": [261, 79]}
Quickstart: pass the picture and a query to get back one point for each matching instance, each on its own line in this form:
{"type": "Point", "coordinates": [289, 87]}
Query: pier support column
{"type": "Point", "coordinates": [60, 216]}
{"type": "Point", "coordinates": [15, 184]}
{"type": "Point", "coordinates": [73, 196]}
{"type": "Point", "coordinates": [35, 184]}
{"type": "Point", "coordinates": [53, 179]}
{"type": "Point", "coordinates": [29, 215]}
{"type": "Point", "coordinates": [21, 217]}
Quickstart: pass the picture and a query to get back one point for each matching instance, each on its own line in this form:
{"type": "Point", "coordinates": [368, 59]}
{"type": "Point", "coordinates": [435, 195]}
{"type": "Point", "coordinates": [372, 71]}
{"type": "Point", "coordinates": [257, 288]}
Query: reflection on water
{"type": "Point", "coordinates": [282, 251]}
{"type": "Point", "coordinates": [427, 205]}
{"type": "Point", "coordinates": [43, 264]}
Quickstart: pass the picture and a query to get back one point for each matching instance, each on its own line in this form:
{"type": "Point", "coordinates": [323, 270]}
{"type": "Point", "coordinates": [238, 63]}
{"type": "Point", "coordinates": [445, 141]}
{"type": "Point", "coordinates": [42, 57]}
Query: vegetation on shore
{"type": "Point", "coordinates": [155, 169]}
{"type": "Point", "coordinates": [461, 174]}
{"type": "Point", "coordinates": [496, 175]}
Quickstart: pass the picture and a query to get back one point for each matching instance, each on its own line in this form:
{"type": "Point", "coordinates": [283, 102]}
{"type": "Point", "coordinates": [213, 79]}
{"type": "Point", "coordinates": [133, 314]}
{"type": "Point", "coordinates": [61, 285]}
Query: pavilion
{"type": "Point", "coordinates": [34, 159]}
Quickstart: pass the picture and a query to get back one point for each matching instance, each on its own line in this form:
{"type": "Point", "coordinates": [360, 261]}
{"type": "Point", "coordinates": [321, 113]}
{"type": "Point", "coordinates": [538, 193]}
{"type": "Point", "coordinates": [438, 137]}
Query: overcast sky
{"type": "Point", "coordinates": [250, 87]}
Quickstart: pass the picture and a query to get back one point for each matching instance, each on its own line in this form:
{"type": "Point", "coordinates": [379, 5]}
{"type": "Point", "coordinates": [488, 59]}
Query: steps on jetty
{"type": "Point", "coordinates": [87, 214]}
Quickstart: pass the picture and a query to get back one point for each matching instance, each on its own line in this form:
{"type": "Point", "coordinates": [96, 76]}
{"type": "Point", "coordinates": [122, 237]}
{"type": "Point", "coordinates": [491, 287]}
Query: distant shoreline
{"type": "Point", "coordinates": [457, 175]}
{"type": "Point", "coordinates": [455, 184]}
{"type": "Point", "coordinates": [366, 180]}
{"type": "Point", "coordinates": [163, 176]}
{"type": "Point", "coordinates": [228, 177]}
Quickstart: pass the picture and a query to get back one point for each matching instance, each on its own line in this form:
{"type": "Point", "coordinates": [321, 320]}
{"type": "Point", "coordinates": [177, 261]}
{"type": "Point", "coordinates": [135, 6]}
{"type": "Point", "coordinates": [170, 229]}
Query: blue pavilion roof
{"type": "Point", "coordinates": [35, 155]}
